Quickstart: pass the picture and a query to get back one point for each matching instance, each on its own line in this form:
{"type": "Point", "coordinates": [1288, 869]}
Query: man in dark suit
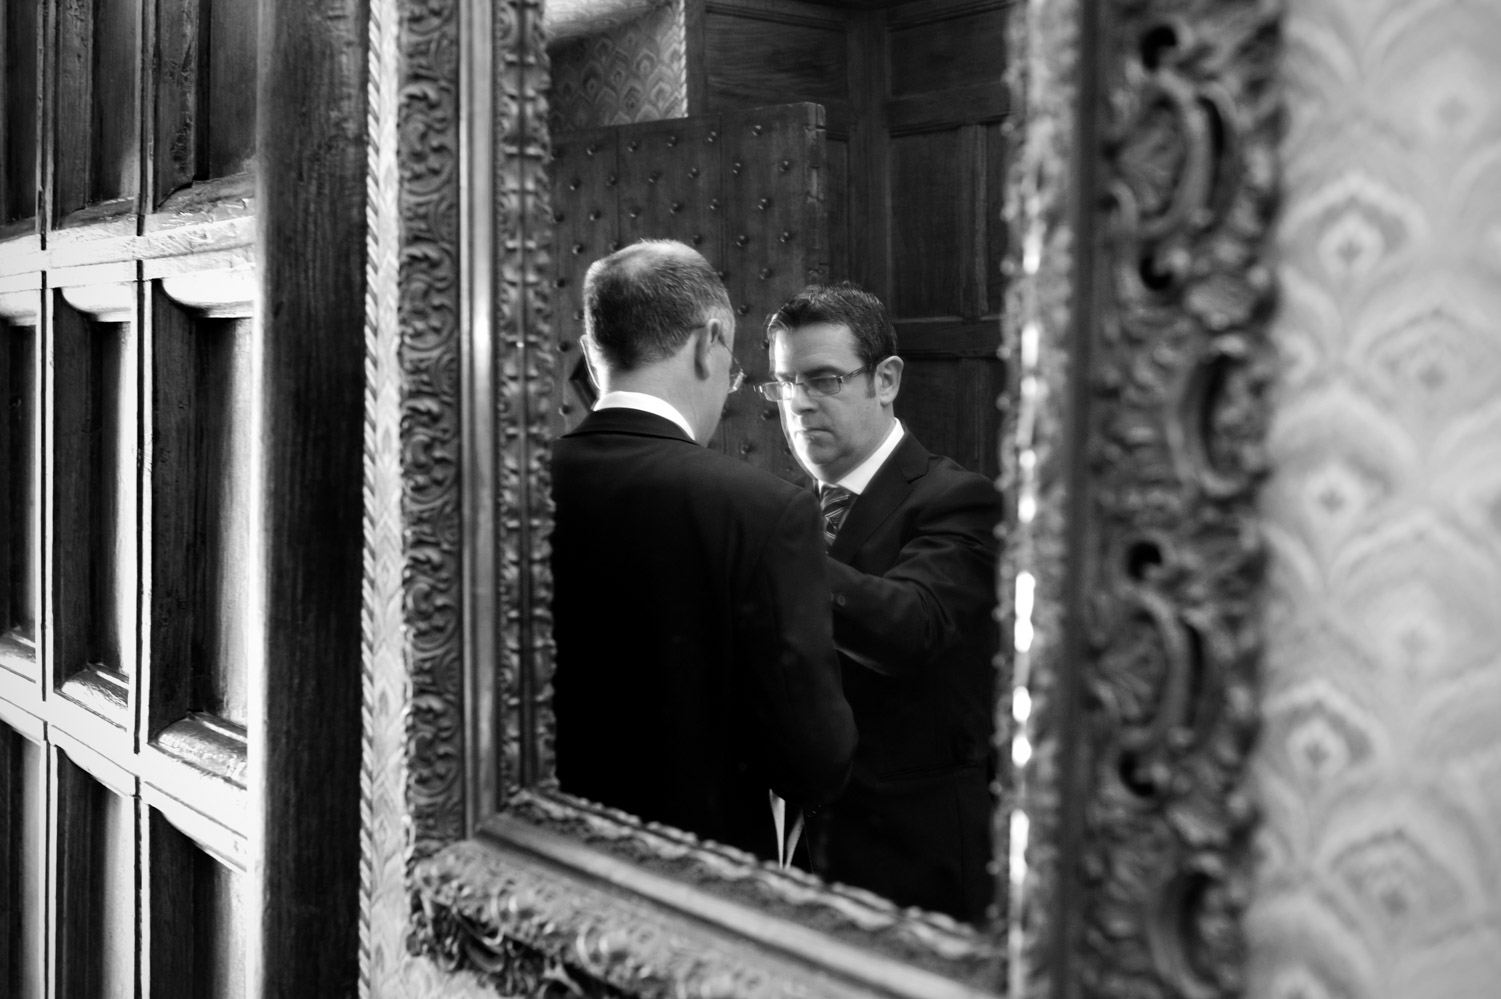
{"type": "Point", "coordinates": [695, 663]}
{"type": "Point", "coordinates": [912, 562]}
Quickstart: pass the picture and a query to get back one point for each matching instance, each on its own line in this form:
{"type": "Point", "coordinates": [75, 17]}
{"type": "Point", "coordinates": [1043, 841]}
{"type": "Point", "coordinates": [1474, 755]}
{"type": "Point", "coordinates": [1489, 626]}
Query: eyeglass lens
{"type": "Point", "coordinates": [816, 387]}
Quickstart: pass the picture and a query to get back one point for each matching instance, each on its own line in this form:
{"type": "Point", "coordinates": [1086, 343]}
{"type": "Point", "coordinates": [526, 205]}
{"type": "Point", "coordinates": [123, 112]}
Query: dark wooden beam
{"type": "Point", "coordinates": [308, 350]}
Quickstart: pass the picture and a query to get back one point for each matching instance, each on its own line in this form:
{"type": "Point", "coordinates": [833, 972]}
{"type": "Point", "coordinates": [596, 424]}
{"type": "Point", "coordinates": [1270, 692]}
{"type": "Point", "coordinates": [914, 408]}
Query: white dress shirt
{"type": "Point", "coordinates": [859, 477]}
{"type": "Point", "coordinates": [646, 404]}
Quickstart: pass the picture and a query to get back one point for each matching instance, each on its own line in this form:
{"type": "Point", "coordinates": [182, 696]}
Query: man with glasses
{"type": "Point", "coordinates": [912, 561]}
{"type": "Point", "coordinates": [695, 663]}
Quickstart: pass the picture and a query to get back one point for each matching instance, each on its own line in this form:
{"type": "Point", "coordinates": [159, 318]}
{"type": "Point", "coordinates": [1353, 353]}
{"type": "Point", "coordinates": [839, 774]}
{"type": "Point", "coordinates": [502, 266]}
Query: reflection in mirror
{"type": "Point", "coordinates": [781, 144]}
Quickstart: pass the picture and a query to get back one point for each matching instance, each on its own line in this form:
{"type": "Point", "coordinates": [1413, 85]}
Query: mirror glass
{"type": "Point", "coordinates": [792, 143]}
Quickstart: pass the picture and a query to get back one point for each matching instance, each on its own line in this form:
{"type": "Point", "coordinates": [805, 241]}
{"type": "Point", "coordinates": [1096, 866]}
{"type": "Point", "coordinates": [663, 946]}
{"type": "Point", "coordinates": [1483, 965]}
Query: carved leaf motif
{"type": "Point", "coordinates": [1176, 450]}
{"type": "Point", "coordinates": [1189, 120]}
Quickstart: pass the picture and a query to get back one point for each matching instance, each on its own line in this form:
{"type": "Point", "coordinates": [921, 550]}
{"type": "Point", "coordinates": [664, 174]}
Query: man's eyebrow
{"type": "Point", "coordinates": [818, 372]}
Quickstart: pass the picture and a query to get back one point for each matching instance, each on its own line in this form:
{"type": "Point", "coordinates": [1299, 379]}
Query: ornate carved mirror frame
{"type": "Point", "coordinates": [1139, 197]}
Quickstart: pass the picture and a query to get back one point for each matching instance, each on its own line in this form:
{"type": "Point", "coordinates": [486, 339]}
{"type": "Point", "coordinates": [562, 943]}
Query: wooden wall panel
{"type": "Point", "coordinates": [92, 487]}
{"type": "Point", "coordinates": [231, 44]}
{"type": "Point", "coordinates": [758, 60]}
{"type": "Point", "coordinates": [72, 105]}
{"type": "Point", "coordinates": [23, 818]}
{"type": "Point", "coordinates": [94, 874]}
{"type": "Point", "coordinates": [175, 537]}
{"type": "Point", "coordinates": [837, 206]}
{"type": "Point", "coordinates": [948, 403]}
{"type": "Point", "coordinates": [945, 167]}
{"type": "Point", "coordinates": [115, 82]}
{"type": "Point", "coordinates": [96, 110]}
{"type": "Point", "coordinates": [201, 448]}
{"type": "Point", "coordinates": [195, 922]}
{"type": "Point", "coordinates": [219, 947]}
{"type": "Point", "coordinates": [771, 53]}
{"type": "Point", "coordinates": [204, 75]}
{"type": "Point", "coordinates": [18, 91]}
{"type": "Point", "coordinates": [994, 205]}
{"type": "Point", "coordinates": [220, 491]}
{"type": "Point", "coordinates": [86, 126]}
{"type": "Point", "coordinates": [110, 430]}
{"type": "Point", "coordinates": [18, 492]}
{"type": "Point", "coordinates": [914, 179]}
{"type": "Point", "coordinates": [927, 182]}
{"type": "Point", "coordinates": [869, 176]}
{"type": "Point", "coordinates": [177, 69]}
{"type": "Point", "coordinates": [932, 50]}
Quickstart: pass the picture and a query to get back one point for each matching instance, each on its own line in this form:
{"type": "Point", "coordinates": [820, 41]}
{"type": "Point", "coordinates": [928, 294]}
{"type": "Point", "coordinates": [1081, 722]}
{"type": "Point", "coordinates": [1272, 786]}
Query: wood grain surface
{"type": "Point", "coordinates": [305, 575]}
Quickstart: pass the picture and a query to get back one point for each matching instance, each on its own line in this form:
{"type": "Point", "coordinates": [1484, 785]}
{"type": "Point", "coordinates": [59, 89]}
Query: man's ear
{"type": "Point", "coordinates": [888, 379]}
{"type": "Point", "coordinates": [590, 360]}
{"type": "Point", "coordinates": [703, 345]}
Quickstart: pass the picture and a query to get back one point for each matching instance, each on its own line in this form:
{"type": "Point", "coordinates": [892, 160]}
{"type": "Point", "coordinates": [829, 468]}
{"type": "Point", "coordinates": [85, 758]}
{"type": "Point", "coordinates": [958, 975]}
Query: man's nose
{"type": "Point", "coordinates": [802, 401]}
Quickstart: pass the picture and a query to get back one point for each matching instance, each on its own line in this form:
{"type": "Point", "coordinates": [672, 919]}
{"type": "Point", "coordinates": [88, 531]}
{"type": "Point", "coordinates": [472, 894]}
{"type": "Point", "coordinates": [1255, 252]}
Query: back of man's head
{"type": "Point", "coordinates": [842, 304]}
{"type": "Point", "coordinates": [642, 303]}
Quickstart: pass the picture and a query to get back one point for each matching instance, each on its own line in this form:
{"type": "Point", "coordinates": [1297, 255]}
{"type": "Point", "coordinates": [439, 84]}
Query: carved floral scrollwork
{"type": "Point", "coordinates": [921, 939]}
{"type": "Point", "coordinates": [413, 767]}
{"type": "Point", "coordinates": [529, 933]}
{"type": "Point", "coordinates": [1179, 368]}
{"type": "Point", "coordinates": [428, 310]}
{"type": "Point", "coordinates": [1141, 501]}
{"type": "Point", "coordinates": [506, 965]}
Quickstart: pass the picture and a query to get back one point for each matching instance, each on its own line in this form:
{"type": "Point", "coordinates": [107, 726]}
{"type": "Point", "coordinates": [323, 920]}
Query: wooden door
{"type": "Point", "coordinates": [915, 167]}
{"type": "Point", "coordinates": [144, 597]}
{"type": "Point", "coordinates": [938, 176]}
{"type": "Point", "coordinates": [744, 188]}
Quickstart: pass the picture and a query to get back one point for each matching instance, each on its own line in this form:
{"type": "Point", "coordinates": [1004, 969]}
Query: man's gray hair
{"type": "Point", "coordinates": [642, 302]}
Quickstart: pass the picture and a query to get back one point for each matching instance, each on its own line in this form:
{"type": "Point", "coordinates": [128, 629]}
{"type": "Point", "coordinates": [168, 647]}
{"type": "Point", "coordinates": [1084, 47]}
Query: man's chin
{"type": "Point", "coordinates": [811, 460]}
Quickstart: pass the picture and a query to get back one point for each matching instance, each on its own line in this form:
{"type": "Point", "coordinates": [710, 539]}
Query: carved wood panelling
{"type": "Point", "coordinates": [1179, 368]}
{"type": "Point", "coordinates": [1141, 707]}
{"type": "Point", "coordinates": [1136, 340]}
{"type": "Point", "coordinates": [411, 793]}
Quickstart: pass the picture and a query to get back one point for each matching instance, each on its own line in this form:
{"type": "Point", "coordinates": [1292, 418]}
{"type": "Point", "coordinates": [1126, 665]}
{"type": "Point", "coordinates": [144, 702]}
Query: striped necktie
{"type": "Point", "coordinates": [835, 502]}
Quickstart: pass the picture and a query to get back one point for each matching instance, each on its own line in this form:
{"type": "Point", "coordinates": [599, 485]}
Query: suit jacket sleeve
{"type": "Point", "coordinates": [802, 725]}
{"type": "Point", "coordinates": [941, 582]}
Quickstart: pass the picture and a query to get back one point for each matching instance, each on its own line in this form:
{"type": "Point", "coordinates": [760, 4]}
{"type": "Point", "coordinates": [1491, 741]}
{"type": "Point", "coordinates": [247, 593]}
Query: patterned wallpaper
{"type": "Point", "coordinates": [637, 71]}
{"type": "Point", "coordinates": [1379, 769]}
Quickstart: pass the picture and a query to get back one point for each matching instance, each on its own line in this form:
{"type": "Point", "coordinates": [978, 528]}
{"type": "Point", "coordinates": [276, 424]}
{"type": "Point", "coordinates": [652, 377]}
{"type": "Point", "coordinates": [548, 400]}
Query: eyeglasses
{"type": "Point", "coordinates": [816, 387]}
{"type": "Point", "coordinates": [737, 373]}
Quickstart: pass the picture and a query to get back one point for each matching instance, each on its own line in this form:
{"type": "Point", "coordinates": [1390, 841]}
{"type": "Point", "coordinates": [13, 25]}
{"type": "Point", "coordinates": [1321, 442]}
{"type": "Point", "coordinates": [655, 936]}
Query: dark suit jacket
{"type": "Point", "coordinates": [913, 575]}
{"type": "Point", "coordinates": [695, 659]}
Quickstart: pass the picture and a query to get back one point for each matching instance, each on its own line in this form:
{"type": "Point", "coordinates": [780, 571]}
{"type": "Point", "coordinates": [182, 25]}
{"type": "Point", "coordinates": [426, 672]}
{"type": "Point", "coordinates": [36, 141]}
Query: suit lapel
{"type": "Point", "coordinates": [892, 484]}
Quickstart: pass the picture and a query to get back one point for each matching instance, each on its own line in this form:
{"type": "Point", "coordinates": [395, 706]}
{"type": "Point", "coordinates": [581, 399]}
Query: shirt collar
{"type": "Point", "coordinates": [647, 404]}
{"type": "Point", "coordinates": [859, 478]}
